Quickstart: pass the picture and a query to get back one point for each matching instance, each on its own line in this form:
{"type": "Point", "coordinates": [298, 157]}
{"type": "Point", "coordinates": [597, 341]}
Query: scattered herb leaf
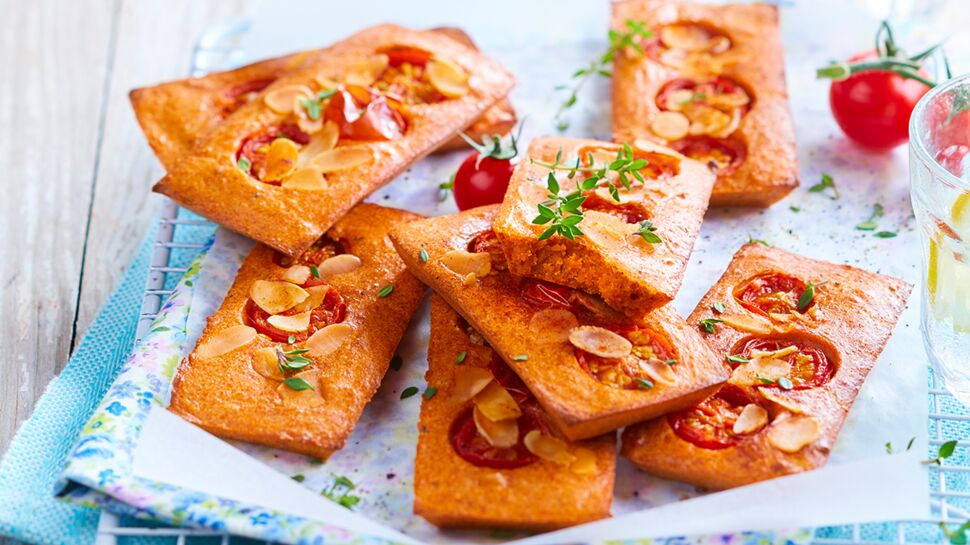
{"type": "Point", "coordinates": [430, 391]}
{"type": "Point", "coordinates": [386, 290]}
{"type": "Point", "coordinates": [795, 208]}
{"type": "Point", "coordinates": [718, 307]}
{"type": "Point", "coordinates": [957, 536]}
{"type": "Point", "coordinates": [521, 357]}
{"type": "Point", "coordinates": [870, 224]}
{"type": "Point", "coordinates": [736, 358]}
{"type": "Point", "coordinates": [945, 451]}
{"type": "Point", "coordinates": [298, 384]}
{"type": "Point", "coordinates": [244, 165]}
{"type": "Point", "coordinates": [461, 357]}
{"type": "Point", "coordinates": [291, 339]}
{"type": "Point", "coordinates": [806, 298]}
{"type": "Point", "coordinates": [752, 240]}
{"type": "Point", "coordinates": [670, 362]}
{"type": "Point", "coordinates": [340, 492]}
{"type": "Point", "coordinates": [827, 182]}
{"type": "Point", "coordinates": [707, 324]}
{"type": "Point", "coordinates": [648, 231]}
{"type": "Point", "coordinates": [298, 478]}
{"type": "Point", "coordinates": [423, 256]}
{"type": "Point", "coordinates": [314, 271]}
{"type": "Point", "coordinates": [408, 392]}
{"type": "Point", "coordinates": [444, 188]}
{"type": "Point", "coordinates": [886, 234]}
{"type": "Point", "coordinates": [643, 384]}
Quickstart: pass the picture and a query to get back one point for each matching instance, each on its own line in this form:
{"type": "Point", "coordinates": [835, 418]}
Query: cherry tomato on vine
{"type": "Point", "coordinates": [484, 175]}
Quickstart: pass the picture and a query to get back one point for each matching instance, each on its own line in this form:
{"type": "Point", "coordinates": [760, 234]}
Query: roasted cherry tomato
{"type": "Point", "coordinates": [331, 310]}
{"type": "Point", "coordinates": [488, 242]}
{"type": "Point", "coordinates": [253, 148]}
{"type": "Point", "coordinates": [241, 93]}
{"type": "Point", "coordinates": [402, 54]}
{"type": "Point", "coordinates": [710, 424]}
{"type": "Point", "coordinates": [775, 293]}
{"type": "Point", "coordinates": [542, 294]}
{"type": "Point", "coordinates": [660, 166]}
{"type": "Point", "coordinates": [363, 115]}
{"type": "Point", "coordinates": [810, 366]}
{"type": "Point", "coordinates": [476, 450]}
{"type": "Point", "coordinates": [724, 154]}
{"type": "Point", "coordinates": [630, 212]}
{"type": "Point", "coordinates": [484, 175]}
{"type": "Point", "coordinates": [649, 347]}
{"type": "Point", "coordinates": [321, 250]}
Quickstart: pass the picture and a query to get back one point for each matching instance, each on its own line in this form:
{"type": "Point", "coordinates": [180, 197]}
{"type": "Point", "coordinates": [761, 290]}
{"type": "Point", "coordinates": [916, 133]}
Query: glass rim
{"type": "Point", "coordinates": [916, 140]}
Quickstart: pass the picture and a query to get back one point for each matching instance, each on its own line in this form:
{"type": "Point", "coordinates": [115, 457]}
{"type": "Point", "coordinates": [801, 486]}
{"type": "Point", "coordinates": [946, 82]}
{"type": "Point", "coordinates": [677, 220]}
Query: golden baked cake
{"type": "Point", "coordinates": [176, 114]}
{"type": "Point", "coordinates": [592, 369]}
{"type": "Point", "coordinates": [635, 240]}
{"type": "Point", "coordinates": [487, 455]}
{"type": "Point", "coordinates": [299, 346]}
{"type": "Point", "coordinates": [284, 166]}
{"type": "Point", "coordinates": [801, 335]}
{"type": "Point", "coordinates": [710, 84]}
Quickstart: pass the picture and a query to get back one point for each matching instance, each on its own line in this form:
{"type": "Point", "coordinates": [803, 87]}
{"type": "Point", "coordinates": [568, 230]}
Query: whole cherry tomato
{"type": "Point", "coordinates": [484, 175]}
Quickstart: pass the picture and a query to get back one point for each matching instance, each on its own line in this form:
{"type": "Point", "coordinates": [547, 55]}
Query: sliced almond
{"type": "Point", "coordinates": [753, 417]}
{"type": "Point", "coordinates": [552, 325]}
{"type": "Point", "coordinates": [342, 158]}
{"type": "Point", "coordinates": [793, 433]}
{"type": "Point", "coordinates": [783, 399]}
{"type": "Point", "coordinates": [276, 296]}
{"type": "Point", "coordinates": [469, 381]}
{"type": "Point", "coordinates": [339, 264]}
{"type": "Point", "coordinates": [309, 126]}
{"type": "Point", "coordinates": [600, 341]}
{"type": "Point", "coordinates": [308, 178]}
{"type": "Point", "coordinates": [659, 371]}
{"type": "Point", "coordinates": [368, 70]}
{"type": "Point", "coordinates": [226, 341]}
{"type": "Point", "coordinates": [464, 263]}
{"type": "Point", "coordinates": [283, 99]}
{"type": "Point", "coordinates": [447, 78]}
{"type": "Point", "coordinates": [293, 323]}
{"type": "Point", "coordinates": [497, 403]}
{"type": "Point", "coordinates": [325, 140]}
{"type": "Point", "coordinates": [758, 370]}
{"type": "Point", "coordinates": [267, 364]}
{"type": "Point", "coordinates": [327, 340]}
{"type": "Point", "coordinates": [670, 125]}
{"type": "Point", "coordinates": [297, 274]}
{"type": "Point", "coordinates": [280, 159]}
{"type": "Point", "coordinates": [775, 354]}
{"type": "Point", "coordinates": [678, 99]}
{"type": "Point", "coordinates": [317, 294]}
{"type": "Point", "coordinates": [747, 323]}
{"type": "Point", "coordinates": [500, 434]}
{"type": "Point", "coordinates": [548, 447]}
{"type": "Point", "coordinates": [706, 120]}
{"type": "Point", "coordinates": [303, 398]}
{"type": "Point", "coordinates": [718, 44]}
{"type": "Point", "coordinates": [585, 462]}
{"type": "Point", "coordinates": [686, 37]}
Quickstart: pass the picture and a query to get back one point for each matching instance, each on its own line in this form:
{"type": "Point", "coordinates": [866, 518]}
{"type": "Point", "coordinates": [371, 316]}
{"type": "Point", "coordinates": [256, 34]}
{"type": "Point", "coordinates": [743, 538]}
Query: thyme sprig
{"type": "Point", "coordinates": [620, 40]}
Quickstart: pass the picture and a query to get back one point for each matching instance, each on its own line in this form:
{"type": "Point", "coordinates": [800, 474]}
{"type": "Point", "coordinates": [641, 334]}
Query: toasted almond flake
{"type": "Point", "coordinates": [752, 373]}
{"type": "Point", "coordinates": [469, 381]}
{"type": "Point", "coordinates": [791, 434]}
{"type": "Point", "coordinates": [339, 264]}
{"type": "Point", "coordinates": [368, 70]}
{"type": "Point", "coordinates": [469, 280]}
{"type": "Point", "coordinates": [296, 274]}
{"type": "Point", "coordinates": [267, 364]}
{"type": "Point", "coordinates": [308, 178]}
{"type": "Point", "coordinates": [585, 462]}
{"type": "Point", "coordinates": [747, 323]}
{"type": "Point", "coordinates": [280, 159]}
{"type": "Point", "coordinates": [778, 317]}
{"type": "Point", "coordinates": [329, 339]}
{"type": "Point", "coordinates": [464, 263]}
{"type": "Point", "coordinates": [447, 78]}
{"type": "Point", "coordinates": [706, 120]}
{"type": "Point", "coordinates": [600, 341]}
{"type": "Point", "coordinates": [753, 417]}
{"type": "Point", "coordinates": [729, 100]}
{"type": "Point", "coordinates": [282, 100]}
{"type": "Point", "coordinates": [317, 293]}
{"type": "Point", "coordinates": [293, 323]}
{"type": "Point", "coordinates": [341, 158]}
{"type": "Point", "coordinates": [678, 99]}
{"type": "Point", "coordinates": [500, 434]}
{"type": "Point", "coordinates": [325, 140]}
{"type": "Point", "coordinates": [659, 371]}
{"type": "Point", "coordinates": [276, 296]}
{"type": "Point", "coordinates": [303, 398]}
{"type": "Point", "coordinates": [718, 44]}
{"type": "Point", "coordinates": [687, 37]}
{"type": "Point", "coordinates": [780, 353]}
{"type": "Point", "coordinates": [497, 403]}
{"type": "Point", "coordinates": [552, 325]}
{"type": "Point", "coordinates": [670, 125]}
{"type": "Point", "coordinates": [782, 398]}
{"type": "Point", "coordinates": [226, 341]}
{"type": "Point", "coordinates": [310, 126]}
{"type": "Point", "coordinates": [548, 447]}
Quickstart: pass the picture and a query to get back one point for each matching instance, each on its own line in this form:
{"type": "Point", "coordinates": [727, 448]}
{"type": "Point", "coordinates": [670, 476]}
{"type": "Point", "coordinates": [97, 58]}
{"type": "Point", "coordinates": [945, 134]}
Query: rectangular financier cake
{"type": "Point", "coordinates": [176, 114]}
{"type": "Point", "coordinates": [635, 241]}
{"type": "Point", "coordinates": [299, 346]}
{"type": "Point", "coordinates": [283, 167]}
{"type": "Point", "coordinates": [592, 369]}
{"type": "Point", "coordinates": [487, 455]}
{"type": "Point", "coordinates": [802, 335]}
{"type": "Point", "coordinates": [710, 83]}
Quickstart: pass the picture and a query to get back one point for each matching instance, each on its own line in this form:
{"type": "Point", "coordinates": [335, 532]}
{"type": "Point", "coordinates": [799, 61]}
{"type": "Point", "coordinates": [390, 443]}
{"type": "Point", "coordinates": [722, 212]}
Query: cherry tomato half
{"type": "Point", "coordinates": [488, 242]}
{"type": "Point", "coordinates": [710, 424]}
{"type": "Point", "coordinates": [810, 366]}
{"type": "Point", "coordinates": [476, 450]}
{"type": "Point", "coordinates": [331, 311]}
{"type": "Point", "coordinates": [873, 107]}
{"type": "Point", "coordinates": [772, 293]}
{"type": "Point", "coordinates": [481, 184]}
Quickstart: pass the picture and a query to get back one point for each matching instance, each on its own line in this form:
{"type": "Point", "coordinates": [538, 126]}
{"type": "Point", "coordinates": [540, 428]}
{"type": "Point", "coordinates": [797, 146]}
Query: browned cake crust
{"type": "Point", "coordinates": [533, 338]}
{"type": "Point", "coordinates": [452, 492]}
{"type": "Point", "coordinates": [227, 396]}
{"type": "Point", "coordinates": [176, 114]}
{"type": "Point", "coordinates": [632, 275]}
{"type": "Point", "coordinates": [210, 182]}
{"type": "Point", "coordinates": [754, 61]}
{"type": "Point", "coordinates": [850, 319]}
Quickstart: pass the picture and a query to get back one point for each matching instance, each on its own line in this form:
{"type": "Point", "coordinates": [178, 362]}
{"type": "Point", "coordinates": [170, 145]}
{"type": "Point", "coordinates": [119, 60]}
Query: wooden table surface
{"type": "Point", "coordinates": [77, 171]}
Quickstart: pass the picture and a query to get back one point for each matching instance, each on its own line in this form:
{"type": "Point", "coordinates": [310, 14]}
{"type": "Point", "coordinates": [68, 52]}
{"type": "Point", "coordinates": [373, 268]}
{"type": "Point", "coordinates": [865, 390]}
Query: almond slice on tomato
{"type": "Point", "coordinates": [758, 370]}
{"type": "Point", "coordinates": [276, 296]}
{"type": "Point", "coordinates": [659, 371]}
{"type": "Point", "coordinates": [267, 363]}
{"type": "Point", "coordinates": [678, 99]}
{"type": "Point", "coordinates": [747, 323]}
{"type": "Point", "coordinates": [706, 120]}
{"type": "Point", "coordinates": [793, 433]}
{"type": "Point", "coordinates": [670, 125]}
{"type": "Point", "coordinates": [499, 434]}
{"type": "Point", "coordinates": [283, 99]}
{"type": "Point", "coordinates": [339, 264]}
{"type": "Point", "coordinates": [316, 296]}
{"type": "Point", "coordinates": [753, 417]}
{"type": "Point", "coordinates": [324, 140]}
{"type": "Point", "coordinates": [775, 354]}
{"type": "Point", "coordinates": [687, 37]}
{"type": "Point", "coordinates": [464, 263]}
{"type": "Point", "coordinates": [327, 340]}
{"type": "Point", "coordinates": [281, 160]}
{"type": "Point", "coordinates": [497, 403]}
{"type": "Point", "coordinates": [308, 178]}
{"type": "Point", "coordinates": [469, 381]}
{"type": "Point", "coordinates": [548, 447]}
{"type": "Point", "coordinates": [226, 341]}
{"type": "Point", "coordinates": [552, 325]}
{"type": "Point", "coordinates": [342, 158]}
{"type": "Point", "coordinates": [296, 274]}
{"type": "Point", "coordinates": [600, 341]}
{"type": "Point", "coordinates": [367, 71]}
{"type": "Point", "coordinates": [292, 323]}
{"type": "Point", "coordinates": [447, 78]}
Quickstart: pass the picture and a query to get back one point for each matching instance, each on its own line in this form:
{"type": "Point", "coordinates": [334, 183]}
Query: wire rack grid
{"type": "Point", "coordinates": [220, 48]}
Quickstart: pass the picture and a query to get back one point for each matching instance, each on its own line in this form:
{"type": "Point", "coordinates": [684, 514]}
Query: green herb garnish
{"type": "Point", "coordinates": [752, 240]}
{"type": "Point", "coordinates": [707, 324]}
{"type": "Point", "coordinates": [736, 358]}
{"type": "Point", "coordinates": [670, 362]}
{"type": "Point", "coordinates": [423, 256]}
{"type": "Point", "coordinates": [298, 478]}
{"type": "Point", "coordinates": [785, 383]}
{"type": "Point", "coordinates": [945, 451]}
{"type": "Point", "coordinates": [430, 391]}
{"type": "Point", "coordinates": [718, 307]}
{"type": "Point", "coordinates": [827, 182]}
{"type": "Point", "coordinates": [806, 298]}
{"type": "Point", "coordinates": [444, 188]}
{"type": "Point", "coordinates": [643, 383]}
{"type": "Point", "coordinates": [292, 360]}
{"type": "Point", "coordinates": [885, 234]}
{"type": "Point", "coordinates": [795, 208]}
{"type": "Point", "coordinates": [647, 231]}
{"type": "Point", "coordinates": [521, 357]}
{"type": "Point", "coordinates": [340, 492]}
{"type": "Point", "coordinates": [386, 290]}
{"type": "Point", "coordinates": [870, 224]}
{"type": "Point", "coordinates": [298, 384]}
{"type": "Point", "coordinates": [244, 165]}
{"type": "Point", "coordinates": [314, 271]}
{"type": "Point", "coordinates": [408, 392]}
{"type": "Point", "coordinates": [461, 357]}
{"type": "Point", "coordinates": [312, 107]}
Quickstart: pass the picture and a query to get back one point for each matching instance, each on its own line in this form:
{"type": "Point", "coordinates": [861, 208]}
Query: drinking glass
{"type": "Point", "coordinates": [939, 167]}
